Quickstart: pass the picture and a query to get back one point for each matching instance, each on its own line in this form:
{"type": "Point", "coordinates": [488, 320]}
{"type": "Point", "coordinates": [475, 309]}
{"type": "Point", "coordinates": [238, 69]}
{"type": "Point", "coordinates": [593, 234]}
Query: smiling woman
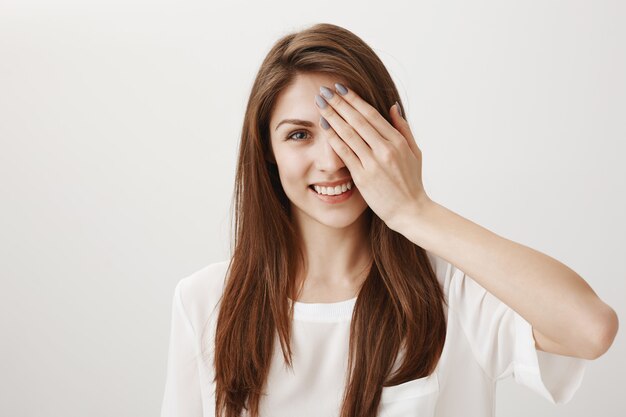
{"type": "Point", "coordinates": [350, 292]}
{"type": "Point", "coordinates": [311, 174]}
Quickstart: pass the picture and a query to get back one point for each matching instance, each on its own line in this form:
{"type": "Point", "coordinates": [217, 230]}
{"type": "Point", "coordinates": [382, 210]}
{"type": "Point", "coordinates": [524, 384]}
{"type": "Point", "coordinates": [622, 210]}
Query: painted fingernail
{"type": "Point", "coordinates": [399, 109]}
{"type": "Point", "coordinates": [326, 92]}
{"type": "Point", "coordinates": [324, 123]}
{"type": "Point", "coordinates": [341, 89]}
{"type": "Point", "coordinates": [321, 103]}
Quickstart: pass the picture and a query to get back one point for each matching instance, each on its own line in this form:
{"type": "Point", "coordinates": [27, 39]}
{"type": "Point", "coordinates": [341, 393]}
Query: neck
{"type": "Point", "coordinates": [336, 261]}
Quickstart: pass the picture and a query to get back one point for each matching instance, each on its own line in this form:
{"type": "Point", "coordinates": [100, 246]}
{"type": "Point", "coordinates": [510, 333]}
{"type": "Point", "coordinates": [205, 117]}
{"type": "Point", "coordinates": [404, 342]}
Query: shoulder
{"type": "Point", "coordinates": [463, 293]}
{"type": "Point", "coordinates": [201, 291]}
{"type": "Point", "coordinates": [456, 284]}
{"type": "Point", "coordinates": [443, 269]}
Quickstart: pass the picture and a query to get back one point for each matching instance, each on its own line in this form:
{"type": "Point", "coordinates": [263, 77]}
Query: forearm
{"type": "Point", "coordinates": [548, 294]}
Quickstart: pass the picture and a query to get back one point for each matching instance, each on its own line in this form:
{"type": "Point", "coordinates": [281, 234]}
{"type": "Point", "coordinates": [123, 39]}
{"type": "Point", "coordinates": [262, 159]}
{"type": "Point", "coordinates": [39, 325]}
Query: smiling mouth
{"type": "Point", "coordinates": [350, 187]}
{"type": "Point", "coordinates": [335, 198]}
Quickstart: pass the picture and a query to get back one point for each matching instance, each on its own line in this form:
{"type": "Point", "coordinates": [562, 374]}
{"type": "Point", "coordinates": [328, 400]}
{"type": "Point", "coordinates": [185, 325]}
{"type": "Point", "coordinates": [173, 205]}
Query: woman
{"type": "Point", "coordinates": [350, 292]}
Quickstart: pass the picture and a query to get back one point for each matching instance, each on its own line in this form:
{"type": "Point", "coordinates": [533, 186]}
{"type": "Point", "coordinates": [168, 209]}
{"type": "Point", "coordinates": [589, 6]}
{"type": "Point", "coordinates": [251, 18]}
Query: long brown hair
{"type": "Point", "coordinates": [399, 305]}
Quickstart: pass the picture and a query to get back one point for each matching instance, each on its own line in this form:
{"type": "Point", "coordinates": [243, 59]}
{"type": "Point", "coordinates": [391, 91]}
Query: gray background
{"type": "Point", "coordinates": [119, 124]}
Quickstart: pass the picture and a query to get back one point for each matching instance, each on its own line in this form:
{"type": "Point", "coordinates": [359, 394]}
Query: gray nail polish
{"type": "Point", "coordinates": [341, 89]}
{"type": "Point", "coordinates": [320, 101]}
{"type": "Point", "coordinates": [326, 92]}
{"type": "Point", "coordinates": [324, 123]}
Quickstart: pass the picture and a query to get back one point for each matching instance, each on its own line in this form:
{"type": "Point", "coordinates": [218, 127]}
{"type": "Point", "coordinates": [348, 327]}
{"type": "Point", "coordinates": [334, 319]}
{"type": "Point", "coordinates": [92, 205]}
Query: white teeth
{"type": "Point", "coordinates": [333, 190]}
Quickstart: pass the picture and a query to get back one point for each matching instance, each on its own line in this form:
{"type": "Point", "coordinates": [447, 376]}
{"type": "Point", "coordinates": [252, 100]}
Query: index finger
{"type": "Point", "coordinates": [384, 128]}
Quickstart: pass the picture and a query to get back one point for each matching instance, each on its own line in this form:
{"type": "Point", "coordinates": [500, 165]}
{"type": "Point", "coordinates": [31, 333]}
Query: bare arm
{"type": "Point", "coordinates": [567, 316]}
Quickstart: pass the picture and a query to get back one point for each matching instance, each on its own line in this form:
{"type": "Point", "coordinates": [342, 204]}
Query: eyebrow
{"type": "Point", "coordinates": [295, 122]}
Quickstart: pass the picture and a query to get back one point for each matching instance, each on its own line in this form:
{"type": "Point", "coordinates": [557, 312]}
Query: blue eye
{"type": "Point", "coordinates": [290, 137]}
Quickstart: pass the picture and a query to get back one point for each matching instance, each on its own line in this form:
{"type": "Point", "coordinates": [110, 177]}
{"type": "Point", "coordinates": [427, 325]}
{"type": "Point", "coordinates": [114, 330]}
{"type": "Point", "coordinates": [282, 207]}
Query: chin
{"type": "Point", "coordinates": [338, 217]}
{"type": "Point", "coordinates": [337, 222]}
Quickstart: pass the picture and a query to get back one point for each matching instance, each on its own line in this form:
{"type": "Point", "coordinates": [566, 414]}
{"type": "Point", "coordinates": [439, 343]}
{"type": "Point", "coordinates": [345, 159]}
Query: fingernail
{"type": "Point", "coordinates": [324, 123]}
{"type": "Point", "coordinates": [321, 103]}
{"type": "Point", "coordinates": [399, 109]}
{"type": "Point", "coordinates": [341, 89]}
{"type": "Point", "coordinates": [326, 92]}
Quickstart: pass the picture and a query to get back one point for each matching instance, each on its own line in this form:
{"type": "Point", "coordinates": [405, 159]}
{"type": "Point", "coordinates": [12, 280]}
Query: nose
{"type": "Point", "coordinates": [326, 157]}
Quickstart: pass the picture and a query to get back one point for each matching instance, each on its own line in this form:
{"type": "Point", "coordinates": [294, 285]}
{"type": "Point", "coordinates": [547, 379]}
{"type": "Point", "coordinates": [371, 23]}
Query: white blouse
{"type": "Point", "coordinates": [486, 341]}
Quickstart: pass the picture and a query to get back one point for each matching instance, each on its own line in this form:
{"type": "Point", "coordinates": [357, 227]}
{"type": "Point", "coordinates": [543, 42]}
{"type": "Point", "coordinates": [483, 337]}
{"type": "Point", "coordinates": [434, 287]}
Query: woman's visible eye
{"type": "Point", "coordinates": [290, 137]}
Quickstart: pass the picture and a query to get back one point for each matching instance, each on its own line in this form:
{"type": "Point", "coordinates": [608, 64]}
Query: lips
{"type": "Point", "coordinates": [334, 199]}
{"type": "Point", "coordinates": [333, 183]}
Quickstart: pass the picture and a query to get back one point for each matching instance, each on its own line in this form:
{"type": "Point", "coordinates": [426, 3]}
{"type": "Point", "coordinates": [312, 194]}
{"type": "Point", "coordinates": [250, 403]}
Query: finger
{"type": "Point", "coordinates": [353, 119]}
{"type": "Point", "coordinates": [345, 132]}
{"type": "Point", "coordinates": [403, 127]}
{"type": "Point", "coordinates": [344, 151]}
{"type": "Point", "coordinates": [375, 119]}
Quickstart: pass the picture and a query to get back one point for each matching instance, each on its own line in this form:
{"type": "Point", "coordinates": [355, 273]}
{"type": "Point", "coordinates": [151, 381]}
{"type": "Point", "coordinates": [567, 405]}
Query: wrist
{"type": "Point", "coordinates": [411, 215]}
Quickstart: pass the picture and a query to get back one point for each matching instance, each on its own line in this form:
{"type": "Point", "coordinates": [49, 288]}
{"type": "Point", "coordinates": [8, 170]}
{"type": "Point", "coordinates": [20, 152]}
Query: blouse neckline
{"type": "Point", "coordinates": [324, 312]}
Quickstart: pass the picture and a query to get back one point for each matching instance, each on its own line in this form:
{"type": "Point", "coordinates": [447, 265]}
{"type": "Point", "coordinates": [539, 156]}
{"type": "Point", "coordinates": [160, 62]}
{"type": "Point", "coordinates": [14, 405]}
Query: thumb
{"type": "Point", "coordinates": [403, 127]}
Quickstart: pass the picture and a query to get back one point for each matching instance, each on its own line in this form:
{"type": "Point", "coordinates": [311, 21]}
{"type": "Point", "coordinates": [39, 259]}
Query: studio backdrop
{"type": "Point", "coordinates": [119, 125]}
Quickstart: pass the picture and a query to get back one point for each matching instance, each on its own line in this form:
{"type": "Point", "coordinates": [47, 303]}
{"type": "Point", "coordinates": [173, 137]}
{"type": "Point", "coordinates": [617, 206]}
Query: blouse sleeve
{"type": "Point", "coordinates": [503, 343]}
{"type": "Point", "coordinates": [182, 396]}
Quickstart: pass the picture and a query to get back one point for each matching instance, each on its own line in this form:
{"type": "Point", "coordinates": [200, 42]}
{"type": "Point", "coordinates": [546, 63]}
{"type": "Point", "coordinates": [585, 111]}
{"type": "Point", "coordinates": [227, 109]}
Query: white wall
{"type": "Point", "coordinates": [119, 124]}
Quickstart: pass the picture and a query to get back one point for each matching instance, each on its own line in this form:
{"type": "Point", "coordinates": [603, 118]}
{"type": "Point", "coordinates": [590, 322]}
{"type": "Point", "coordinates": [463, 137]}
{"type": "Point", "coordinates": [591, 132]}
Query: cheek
{"type": "Point", "coordinates": [292, 168]}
